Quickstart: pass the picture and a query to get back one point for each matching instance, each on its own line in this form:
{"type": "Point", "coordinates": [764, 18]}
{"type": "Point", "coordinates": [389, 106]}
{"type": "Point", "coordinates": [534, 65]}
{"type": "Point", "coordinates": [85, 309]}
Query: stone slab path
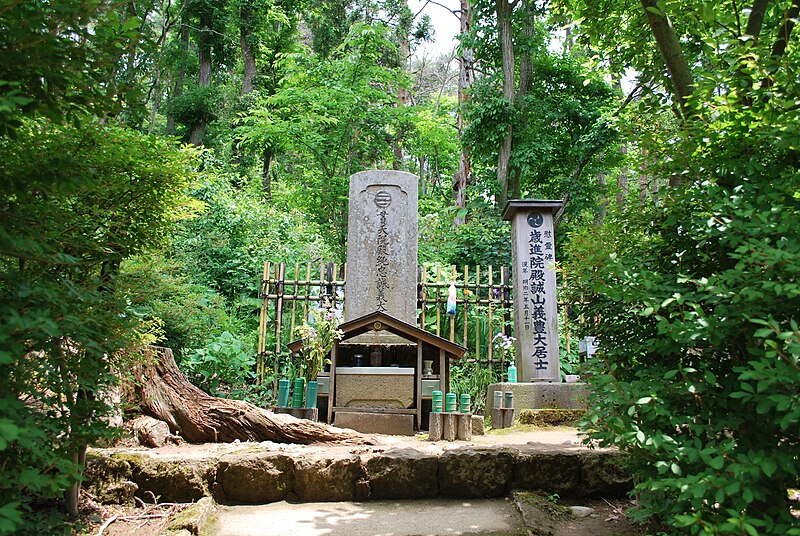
{"type": "Point", "coordinates": [375, 518]}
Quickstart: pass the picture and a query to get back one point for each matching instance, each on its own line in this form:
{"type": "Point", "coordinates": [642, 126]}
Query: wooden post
{"type": "Point", "coordinates": [491, 306]}
{"type": "Point", "coordinates": [262, 326]}
{"type": "Point", "coordinates": [438, 299]}
{"type": "Point", "coordinates": [477, 319]}
{"type": "Point", "coordinates": [294, 298]}
{"type": "Point", "coordinates": [424, 293]}
{"type": "Point", "coordinates": [418, 374]}
{"type": "Point", "coordinates": [466, 304]}
{"type": "Point", "coordinates": [308, 292]}
{"type": "Point", "coordinates": [453, 316]}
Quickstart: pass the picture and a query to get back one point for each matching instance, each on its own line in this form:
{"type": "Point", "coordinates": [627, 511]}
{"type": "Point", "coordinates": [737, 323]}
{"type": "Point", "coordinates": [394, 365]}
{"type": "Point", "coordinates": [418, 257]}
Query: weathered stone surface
{"type": "Point", "coordinates": [502, 418]}
{"type": "Point", "coordinates": [253, 478]}
{"type": "Point", "coordinates": [551, 417]}
{"type": "Point", "coordinates": [151, 432]}
{"type": "Point", "coordinates": [602, 472]}
{"type": "Point", "coordinates": [193, 519]}
{"type": "Point", "coordinates": [403, 474]}
{"type": "Point", "coordinates": [476, 472]}
{"type": "Point", "coordinates": [375, 390]}
{"type": "Point", "coordinates": [382, 245]}
{"type": "Point", "coordinates": [108, 479]}
{"type": "Point", "coordinates": [171, 480]}
{"type": "Point", "coordinates": [477, 425]}
{"type": "Point", "coordinates": [376, 423]}
{"type": "Point", "coordinates": [548, 471]}
{"type": "Point", "coordinates": [533, 252]}
{"type": "Point", "coordinates": [326, 479]}
{"type": "Point", "coordinates": [541, 395]}
{"type": "Point", "coordinates": [541, 517]}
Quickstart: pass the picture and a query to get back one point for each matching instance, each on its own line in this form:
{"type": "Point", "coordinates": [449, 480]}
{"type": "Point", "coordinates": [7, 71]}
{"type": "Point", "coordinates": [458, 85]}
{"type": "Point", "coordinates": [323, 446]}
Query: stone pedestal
{"type": "Point", "coordinates": [375, 423]}
{"type": "Point", "coordinates": [541, 395]}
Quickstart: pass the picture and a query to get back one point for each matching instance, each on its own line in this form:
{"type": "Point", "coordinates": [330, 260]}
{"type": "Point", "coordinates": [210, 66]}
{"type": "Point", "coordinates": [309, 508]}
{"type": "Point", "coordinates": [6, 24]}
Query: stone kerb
{"type": "Point", "coordinates": [258, 477]}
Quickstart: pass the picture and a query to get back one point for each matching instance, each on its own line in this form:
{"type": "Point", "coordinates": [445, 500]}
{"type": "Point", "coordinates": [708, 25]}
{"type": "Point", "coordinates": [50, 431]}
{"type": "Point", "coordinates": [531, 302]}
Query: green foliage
{"type": "Point", "coordinates": [472, 377]}
{"type": "Point", "coordinates": [699, 373]}
{"type": "Point", "coordinates": [225, 361]}
{"type": "Point", "coordinates": [196, 103]}
{"type": "Point", "coordinates": [481, 241]}
{"type": "Point", "coordinates": [57, 59]}
{"type": "Point", "coordinates": [77, 200]}
{"type": "Point", "coordinates": [225, 246]}
{"type": "Point", "coordinates": [189, 314]}
{"type": "Point", "coordinates": [331, 118]}
{"type": "Point", "coordinates": [318, 339]}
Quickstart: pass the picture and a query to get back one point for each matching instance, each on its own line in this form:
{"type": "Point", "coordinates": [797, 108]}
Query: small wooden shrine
{"type": "Point", "coordinates": [382, 374]}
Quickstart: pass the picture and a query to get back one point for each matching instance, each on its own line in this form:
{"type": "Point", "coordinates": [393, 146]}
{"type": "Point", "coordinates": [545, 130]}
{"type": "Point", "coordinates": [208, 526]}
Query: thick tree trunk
{"type": "Point", "coordinates": [504, 10]}
{"type": "Point", "coordinates": [670, 48]}
{"type": "Point", "coordinates": [197, 417]}
{"type": "Point", "coordinates": [177, 88]}
{"type": "Point", "coordinates": [248, 56]}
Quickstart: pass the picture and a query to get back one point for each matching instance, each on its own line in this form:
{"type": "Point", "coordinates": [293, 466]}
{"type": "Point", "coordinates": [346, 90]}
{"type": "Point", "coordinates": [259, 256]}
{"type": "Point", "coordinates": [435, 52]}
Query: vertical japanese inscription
{"type": "Point", "coordinates": [382, 200]}
{"type": "Point", "coordinates": [535, 291]}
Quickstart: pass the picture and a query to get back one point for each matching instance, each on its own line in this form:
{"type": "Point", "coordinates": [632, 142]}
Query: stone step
{"type": "Point", "coordinates": [263, 473]}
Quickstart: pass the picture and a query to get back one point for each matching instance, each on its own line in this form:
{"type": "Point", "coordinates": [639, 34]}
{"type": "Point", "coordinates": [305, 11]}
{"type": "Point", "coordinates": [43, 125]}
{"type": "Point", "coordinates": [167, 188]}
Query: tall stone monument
{"type": "Point", "coordinates": [535, 306]}
{"type": "Point", "coordinates": [382, 245]}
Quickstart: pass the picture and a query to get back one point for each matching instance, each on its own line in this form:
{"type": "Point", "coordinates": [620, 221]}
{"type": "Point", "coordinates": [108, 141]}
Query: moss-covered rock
{"type": "Point", "coordinates": [326, 479]}
{"type": "Point", "coordinates": [254, 478]}
{"type": "Point", "coordinates": [476, 472]}
{"type": "Point", "coordinates": [551, 417]}
{"type": "Point", "coordinates": [170, 480]}
{"type": "Point", "coordinates": [109, 479]}
{"type": "Point", "coordinates": [402, 473]}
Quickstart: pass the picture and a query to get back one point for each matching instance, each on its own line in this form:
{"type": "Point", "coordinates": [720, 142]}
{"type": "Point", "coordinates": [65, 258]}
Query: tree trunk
{"type": "Point", "coordinates": [465, 76]}
{"type": "Point", "coordinates": [504, 10]}
{"type": "Point", "coordinates": [197, 417]}
{"type": "Point", "coordinates": [204, 79]}
{"type": "Point", "coordinates": [670, 48]}
{"type": "Point", "coordinates": [248, 57]}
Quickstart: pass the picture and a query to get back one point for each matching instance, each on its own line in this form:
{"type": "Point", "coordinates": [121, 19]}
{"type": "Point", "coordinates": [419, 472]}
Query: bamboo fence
{"type": "Point", "coordinates": [289, 294]}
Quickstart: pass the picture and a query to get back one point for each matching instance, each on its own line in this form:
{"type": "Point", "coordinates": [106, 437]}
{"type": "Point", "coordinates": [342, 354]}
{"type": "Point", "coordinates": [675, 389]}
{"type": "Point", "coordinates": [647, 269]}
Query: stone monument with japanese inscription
{"type": "Point", "coordinates": [382, 245]}
{"type": "Point", "coordinates": [536, 313]}
{"type": "Point", "coordinates": [535, 305]}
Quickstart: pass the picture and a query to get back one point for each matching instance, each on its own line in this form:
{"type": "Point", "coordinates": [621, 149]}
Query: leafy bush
{"type": "Point", "coordinates": [189, 313]}
{"type": "Point", "coordinates": [224, 362]}
{"type": "Point", "coordinates": [473, 377]}
{"type": "Point", "coordinates": [697, 299]}
{"type": "Point", "coordinates": [76, 201]}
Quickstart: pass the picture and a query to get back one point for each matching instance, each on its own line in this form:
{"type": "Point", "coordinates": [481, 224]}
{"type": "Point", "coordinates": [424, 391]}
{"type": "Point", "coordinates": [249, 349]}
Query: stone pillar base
{"type": "Point", "coordinates": [502, 418]}
{"type": "Point", "coordinates": [450, 426]}
{"type": "Point", "coordinates": [541, 395]}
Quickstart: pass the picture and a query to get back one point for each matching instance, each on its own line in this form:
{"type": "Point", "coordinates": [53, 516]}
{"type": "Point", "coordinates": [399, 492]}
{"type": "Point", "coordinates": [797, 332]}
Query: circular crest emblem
{"type": "Point", "coordinates": [535, 219]}
{"type": "Point", "coordinates": [383, 199]}
{"type": "Point", "coordinates": [377, 326]}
